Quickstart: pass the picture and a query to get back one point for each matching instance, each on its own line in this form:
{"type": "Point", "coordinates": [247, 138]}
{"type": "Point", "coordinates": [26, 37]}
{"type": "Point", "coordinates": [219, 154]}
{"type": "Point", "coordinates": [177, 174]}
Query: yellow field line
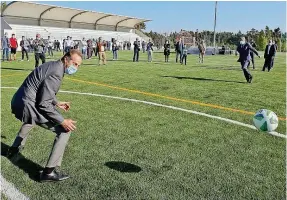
{"type": "Point", "coordinates": [168, 97]}
{"type": "Point", "coordinates": [12, 75]}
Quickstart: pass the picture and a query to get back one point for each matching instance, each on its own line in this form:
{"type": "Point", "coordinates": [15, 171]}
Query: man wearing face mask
{"type": "Point", "coordinates": [39, 50]}
{"type": "Point", "coordinates": [244, 49]}
{"type": "Point", "coordinates": [35, 103]}
{"type": "Point", "coordinates": [24, 45]}
{"type": "Point", "coordinates": [269, 55]}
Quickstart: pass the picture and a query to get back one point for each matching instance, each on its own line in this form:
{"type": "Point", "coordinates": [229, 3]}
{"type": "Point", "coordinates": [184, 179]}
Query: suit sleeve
{"type": "Point", "coordinates": [237, 49]}
{"type": "Point", "coordinates": [46, 99]}
{"type": "Point", "coordinates": [253, 49]}
{"type": "Point", "coordinates": [265, 51]}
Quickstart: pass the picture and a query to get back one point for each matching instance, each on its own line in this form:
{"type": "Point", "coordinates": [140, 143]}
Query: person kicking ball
{"type": "Point", "coordinates": [244, 49]}
{"type": "Point", "coordinates": [35, 103]}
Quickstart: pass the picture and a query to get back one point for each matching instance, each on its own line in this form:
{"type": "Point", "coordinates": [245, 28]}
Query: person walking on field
{"type": "Point", "coordinates": [102, 54]}
{"type": "Point", "coordinates": [14, 46]}
{"type": "Point", "coordinates": [149, 50]}
{"type": "Point", "coordinates": [202, 49]}
{"type": "Point", "coordinates": [269, 55]}
{"type": "Point", "coordinates": [39, 50]}
{"type": "Point", "coordinates": [244, 49]}
{"type": "Point", "coordinates": [24, 47]}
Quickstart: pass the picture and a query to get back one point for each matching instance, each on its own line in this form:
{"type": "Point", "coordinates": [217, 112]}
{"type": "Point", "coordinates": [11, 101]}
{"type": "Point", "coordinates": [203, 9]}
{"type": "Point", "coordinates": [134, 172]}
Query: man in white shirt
{"type": "Point", "coordinates": [84, 48]}
{"type": "Point", "coordinates": [68, 44]}
{"type": "Point", "coordinates": [50, 46]}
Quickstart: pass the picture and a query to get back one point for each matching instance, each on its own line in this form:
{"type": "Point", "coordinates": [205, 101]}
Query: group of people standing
{"type": "Point", "coordinates": [180, 49]}
{"type": "Point", "coordinates": [147, 47]}
{"type": "Point", "coordinates": [9, 45]}
{"type": "Point", "coordinates": [246, 52]}
{"type": "Point", "coordinates": [99, 47]}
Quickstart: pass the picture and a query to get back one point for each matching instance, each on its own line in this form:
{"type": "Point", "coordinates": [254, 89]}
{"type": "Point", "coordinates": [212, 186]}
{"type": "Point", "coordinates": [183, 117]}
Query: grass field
{"type": "Point", "coordinates": [130, 150]}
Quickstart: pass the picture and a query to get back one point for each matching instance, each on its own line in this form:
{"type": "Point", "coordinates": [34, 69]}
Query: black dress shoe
{"type": "Point", "coordinates": [250, 80]}
{"type": "Point", "coordinates": [53, 177]}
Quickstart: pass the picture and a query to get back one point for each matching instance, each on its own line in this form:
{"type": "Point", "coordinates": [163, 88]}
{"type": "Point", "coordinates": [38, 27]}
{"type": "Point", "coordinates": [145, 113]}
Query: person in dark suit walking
{"type": "Point", "coordinates": [244, 49]}
{"type": "Point", "coordinates": [35, 103]}
{"type": "Point", "coordinates": [136, 50]}
{"type": "Point", "coordinates": [253, 44]}
{"type": "Point", "coordinates": [269, 56]}
{"type": "Point", "coordinates": [179, 50]}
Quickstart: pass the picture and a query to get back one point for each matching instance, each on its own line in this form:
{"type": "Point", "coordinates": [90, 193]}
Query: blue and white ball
{"type": "Point", "coordinates": [265, 120]}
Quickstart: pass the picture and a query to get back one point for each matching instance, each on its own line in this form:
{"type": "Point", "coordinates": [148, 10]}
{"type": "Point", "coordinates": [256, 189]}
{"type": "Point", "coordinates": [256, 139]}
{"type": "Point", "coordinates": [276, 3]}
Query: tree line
{"type": "Point", "coordinates": [229, 39]}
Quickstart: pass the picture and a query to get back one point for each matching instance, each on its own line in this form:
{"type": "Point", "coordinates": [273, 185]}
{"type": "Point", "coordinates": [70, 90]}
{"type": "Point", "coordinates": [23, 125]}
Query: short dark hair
{"type": "Point", "coordinates": [13, 34]}
{"type": "Point", "coordinates": [70, 53]}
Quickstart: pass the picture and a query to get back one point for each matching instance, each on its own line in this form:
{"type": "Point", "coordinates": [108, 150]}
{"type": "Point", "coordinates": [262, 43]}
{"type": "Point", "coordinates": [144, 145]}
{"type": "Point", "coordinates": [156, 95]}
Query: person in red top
{"type": "Point", "coordinates": [13, 46]}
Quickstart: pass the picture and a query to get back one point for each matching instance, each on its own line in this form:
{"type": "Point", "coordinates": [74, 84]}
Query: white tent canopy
{"type": "Point", "coordinates": [56, 13]}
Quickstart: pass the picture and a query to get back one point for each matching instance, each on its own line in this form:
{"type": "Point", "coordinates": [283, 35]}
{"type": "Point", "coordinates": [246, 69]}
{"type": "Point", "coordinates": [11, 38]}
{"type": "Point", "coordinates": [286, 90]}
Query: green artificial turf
{"type": "Point", "coordinates": [130, 150]}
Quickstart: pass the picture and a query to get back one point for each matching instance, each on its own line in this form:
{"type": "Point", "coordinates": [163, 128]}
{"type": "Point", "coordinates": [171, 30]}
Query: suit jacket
{"type": "Point", "coordinates": [272, 51]}
{"type": "Point", "coordinates": [244, 52]}
{"type": "Point", "coordinates": [179, 47]}
{"type": "Point", "coordinates": [35, 100]}
{"type": "Point", "coordinates": [136, 45]}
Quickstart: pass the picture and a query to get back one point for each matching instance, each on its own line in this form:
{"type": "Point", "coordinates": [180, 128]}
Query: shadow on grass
{"type": "Point", "coordinates": [28, 166]}
{"type": "Point", "coordinates": [226, 68]}
{"type": "Point", "coordinates": [16, 69]}
{"type": "Point", "coordinates": [203, 79]}
{"type": "Point", "coordinates": [123, 166]}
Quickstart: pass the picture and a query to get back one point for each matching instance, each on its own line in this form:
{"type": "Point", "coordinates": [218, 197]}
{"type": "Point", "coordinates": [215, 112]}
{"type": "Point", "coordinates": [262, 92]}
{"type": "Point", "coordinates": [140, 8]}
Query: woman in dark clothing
{"type": "Point", "coordinates": [166, 50]}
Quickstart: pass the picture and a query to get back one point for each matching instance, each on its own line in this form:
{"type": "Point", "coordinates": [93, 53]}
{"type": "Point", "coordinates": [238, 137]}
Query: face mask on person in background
{"type": "Point", "coordinates": [71, 69]}
{"type": "Point", "coordinates": [242, 42]}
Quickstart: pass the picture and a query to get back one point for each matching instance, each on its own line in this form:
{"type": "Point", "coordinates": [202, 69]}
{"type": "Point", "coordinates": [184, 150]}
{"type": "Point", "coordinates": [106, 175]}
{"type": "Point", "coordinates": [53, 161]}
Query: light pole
{"type": "Point", "coordinates": [214, 25]}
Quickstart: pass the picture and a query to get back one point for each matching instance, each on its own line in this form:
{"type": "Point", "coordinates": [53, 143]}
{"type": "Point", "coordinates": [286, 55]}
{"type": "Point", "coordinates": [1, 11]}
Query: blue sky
{"type": "Point", "coordinates": [171, 16]}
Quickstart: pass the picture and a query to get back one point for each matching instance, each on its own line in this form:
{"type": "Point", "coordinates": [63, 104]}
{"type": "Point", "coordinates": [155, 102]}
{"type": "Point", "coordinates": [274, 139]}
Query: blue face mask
{"type": "Point", "coordinates": [71, 70]}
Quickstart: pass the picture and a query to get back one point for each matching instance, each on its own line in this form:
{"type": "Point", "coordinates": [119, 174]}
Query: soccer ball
{"type": "Point", "coordinates": [265, 120]}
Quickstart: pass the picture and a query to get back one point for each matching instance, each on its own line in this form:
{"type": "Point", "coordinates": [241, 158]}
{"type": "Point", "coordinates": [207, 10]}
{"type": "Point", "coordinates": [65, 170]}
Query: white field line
{"type": "Point", "coordinates": [10, 191]}
{"type": "Point", "coordinates": [170, 107]}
